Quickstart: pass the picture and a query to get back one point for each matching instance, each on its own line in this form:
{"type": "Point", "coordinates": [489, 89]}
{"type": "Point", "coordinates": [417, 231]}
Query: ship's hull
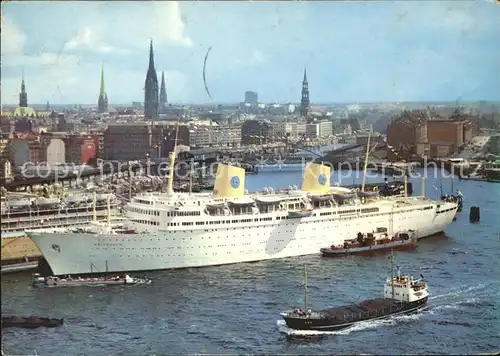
{"type": "Point", "coordinates": [399, 245]}
{"type": "Point", "coordinates": [328, 324]}
{"type": "Point", "coordinates": [256, 238]}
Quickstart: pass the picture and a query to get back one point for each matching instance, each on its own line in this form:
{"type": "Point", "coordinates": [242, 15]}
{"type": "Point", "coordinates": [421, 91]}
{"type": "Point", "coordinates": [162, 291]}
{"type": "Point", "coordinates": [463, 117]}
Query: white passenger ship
{"type": "Point", "coordinates": [177, 230]}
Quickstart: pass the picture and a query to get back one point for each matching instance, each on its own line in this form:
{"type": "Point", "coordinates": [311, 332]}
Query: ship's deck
{"type": "Point", "coordinates": [340, 313]}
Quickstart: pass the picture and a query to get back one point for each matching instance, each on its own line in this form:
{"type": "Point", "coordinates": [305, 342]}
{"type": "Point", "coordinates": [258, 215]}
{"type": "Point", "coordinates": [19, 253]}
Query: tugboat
{"type": "Point", "coordinates": [369, 243]}
{"type": "Point", "coordinates": [402, 295]}
{"type": "Point", "coordinates": [54, 281]}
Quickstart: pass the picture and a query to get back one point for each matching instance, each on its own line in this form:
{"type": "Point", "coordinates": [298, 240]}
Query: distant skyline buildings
{"type": "Point", "coordinates": [251, 97]}
{"type": "Point", "coordinates": [400, 51]}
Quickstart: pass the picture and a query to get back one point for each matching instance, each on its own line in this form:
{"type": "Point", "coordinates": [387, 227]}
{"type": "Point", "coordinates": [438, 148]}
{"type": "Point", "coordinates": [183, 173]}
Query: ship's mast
{"type": "Point", "coordinates": [191, 177]}
{"type": "Point", "coordinates": [171, 170]}
{"type": "Point", "coordinates": [392, 272]}
{"type": "Point", "coordinates": [305, 288]}
{"type": "Point", "coordinates": [109, 210]}
{"type": "Point", "coordinates": [94, 211]}
{"type": "Point", "coordinates": [130, 188]}
{"type": "Point", "coordinates": [366, 159]}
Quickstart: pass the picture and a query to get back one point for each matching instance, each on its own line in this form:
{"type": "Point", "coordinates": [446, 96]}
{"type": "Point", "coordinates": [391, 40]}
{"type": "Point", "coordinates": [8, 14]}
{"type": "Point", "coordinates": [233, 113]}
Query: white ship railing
{"type": "Point", "coordinates": [53, 221]}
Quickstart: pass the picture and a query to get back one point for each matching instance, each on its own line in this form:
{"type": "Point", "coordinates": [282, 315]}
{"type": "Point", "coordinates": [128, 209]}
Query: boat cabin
{"type": "Point", "coordinates": [405, 289]}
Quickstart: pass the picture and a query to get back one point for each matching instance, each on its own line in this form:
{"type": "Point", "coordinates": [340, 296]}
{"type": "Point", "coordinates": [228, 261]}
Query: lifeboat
{"type": "Point", "coordinates": [300, 213]}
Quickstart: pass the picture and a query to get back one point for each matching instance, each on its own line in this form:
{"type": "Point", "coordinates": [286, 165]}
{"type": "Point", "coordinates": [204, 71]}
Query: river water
{"type": "Point", "coordinates": [235, 309]}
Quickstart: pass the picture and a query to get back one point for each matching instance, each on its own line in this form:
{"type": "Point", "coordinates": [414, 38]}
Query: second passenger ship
{"type": "Point", "coordinates": [176, 230]}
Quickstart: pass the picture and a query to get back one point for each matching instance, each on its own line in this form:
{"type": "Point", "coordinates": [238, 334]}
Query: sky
{"type": "Point", "coordinates": [354, 51]}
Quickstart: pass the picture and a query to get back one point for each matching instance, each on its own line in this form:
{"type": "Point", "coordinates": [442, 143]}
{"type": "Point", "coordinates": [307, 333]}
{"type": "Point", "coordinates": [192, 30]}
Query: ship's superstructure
{"type": "Point", "coordinates": [38, 213]}
{"type": "Point", "coordinates": [176, 230]}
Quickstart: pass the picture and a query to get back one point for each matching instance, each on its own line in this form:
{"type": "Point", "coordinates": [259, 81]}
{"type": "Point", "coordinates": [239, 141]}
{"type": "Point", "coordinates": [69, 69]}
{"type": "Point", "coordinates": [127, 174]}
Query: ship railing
{"type": "Point", "coordinates": [51, 224]}
{"type": "Point", "coordinates": [14, 226]}
{"type": "Point", "coordinates": [56, 215]}
{"type": "Point", "coordinates": [36, 212]}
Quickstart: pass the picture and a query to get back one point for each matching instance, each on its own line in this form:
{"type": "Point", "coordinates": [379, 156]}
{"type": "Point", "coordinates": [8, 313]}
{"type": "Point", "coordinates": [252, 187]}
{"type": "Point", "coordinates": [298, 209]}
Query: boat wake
{"type": "Point", "coordinates": [456, 292]}
{"type": "Point", "coordinates": [454, 299]}
{"type": "Point", "coordinates": [369, 324]}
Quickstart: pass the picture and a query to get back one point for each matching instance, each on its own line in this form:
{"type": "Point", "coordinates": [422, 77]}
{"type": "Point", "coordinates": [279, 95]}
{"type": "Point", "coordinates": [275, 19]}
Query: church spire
{"type": "Point", "coordinates": [304, 102]}
{"type": "Point", "coordinates": [23, 96]}
{"type": "Point", "coordinates": [102, 102]}
{"type": "Point", "coordinates": [103, 88]}
{"type": "Point", "coordinates": [151, 55]}
{"type": "Point", "coordinates": [151, 89]}
{"type": "Point", "coordinates": [163, 92]}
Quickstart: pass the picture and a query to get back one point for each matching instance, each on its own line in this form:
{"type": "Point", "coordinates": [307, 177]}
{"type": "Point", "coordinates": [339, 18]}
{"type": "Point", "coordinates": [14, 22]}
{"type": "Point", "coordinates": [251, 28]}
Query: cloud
{"type": "Point", "coordinates": [88, 40]}
{"type": "Point", "coordinates": [466, 17]}
{"type": "Point", "coordinates": [400, 50]}
{"type": "Point", "coordinates": [12, 39]}
{"type": "Point", "coordinates": [171, 25]}
{"type": "Point", "coordinates": [68, 69]}
{"type": "Point", "coordinates": [162, 21]}
{"type": "Point", "coordinates": [84, 39]}
{"type": "Point", "coordinates": [254, 58]}
{"type": "Point", "coordinates": [13, 51]}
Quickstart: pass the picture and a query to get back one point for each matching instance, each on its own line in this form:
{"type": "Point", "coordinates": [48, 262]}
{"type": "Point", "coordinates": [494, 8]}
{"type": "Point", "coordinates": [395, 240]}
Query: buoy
{"type": "Point", "coordinates": [474, 215]}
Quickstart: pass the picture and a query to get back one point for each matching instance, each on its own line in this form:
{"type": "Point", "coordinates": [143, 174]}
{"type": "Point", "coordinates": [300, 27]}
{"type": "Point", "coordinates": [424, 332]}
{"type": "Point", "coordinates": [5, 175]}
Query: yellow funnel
{"type": "Point", "coordinates": [229, 181]}
{"type": "Point", "coordinates": [316, 178]}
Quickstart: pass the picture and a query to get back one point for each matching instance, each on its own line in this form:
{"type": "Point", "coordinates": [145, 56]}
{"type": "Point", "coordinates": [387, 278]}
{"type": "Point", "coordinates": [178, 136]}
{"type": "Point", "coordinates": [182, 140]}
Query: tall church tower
{"type": "Point", "coordinates": [23, 96]}
{"type": "Point", "coordinates": [163, 94]}
{"type": "Point", "coordinates": [102, 102]}
{"type": "Point", "coordinates": [151, 89]}
{"type": "Point", "coordinates": [304, 102]}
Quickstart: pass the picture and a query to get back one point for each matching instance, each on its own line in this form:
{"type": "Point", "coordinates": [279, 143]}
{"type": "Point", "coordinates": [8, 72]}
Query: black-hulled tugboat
{"type": "Point", "coordinates": [402, 295]}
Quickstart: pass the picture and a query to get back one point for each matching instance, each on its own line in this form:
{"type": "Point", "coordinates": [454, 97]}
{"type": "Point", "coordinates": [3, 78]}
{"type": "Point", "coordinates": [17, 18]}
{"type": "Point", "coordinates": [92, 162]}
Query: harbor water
{"type": "Point", "coordinates": [234, 309]}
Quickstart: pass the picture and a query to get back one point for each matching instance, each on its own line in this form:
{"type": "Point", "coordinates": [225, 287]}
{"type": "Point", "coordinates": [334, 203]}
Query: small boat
{"type": "Point", "coordinates": [54, 281]}
{"type": "Point", "coordinates": [31, 322]}
{"type": "Point", "coordinates": [19, 266]}
{"type": "Point", "coordinates": [368, 244]}
{"type": "Point", "coordinates": [300, 213]}
{"type": "Point", "coordinates": [402, 295]}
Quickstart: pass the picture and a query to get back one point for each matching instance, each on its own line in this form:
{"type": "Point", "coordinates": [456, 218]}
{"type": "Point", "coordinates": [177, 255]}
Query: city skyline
{"type": "Point", "coordinates": [404, 51]}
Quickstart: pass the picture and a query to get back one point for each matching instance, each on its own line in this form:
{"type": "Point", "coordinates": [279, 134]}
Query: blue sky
{"type": "Point", "coordinates": [354, 51]}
